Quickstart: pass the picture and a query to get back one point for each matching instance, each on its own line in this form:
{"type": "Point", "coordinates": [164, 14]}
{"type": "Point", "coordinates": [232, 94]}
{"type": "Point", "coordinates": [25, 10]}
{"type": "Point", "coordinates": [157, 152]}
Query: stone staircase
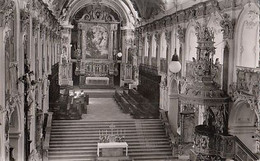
{"type": "Point", "coordinates": [76, 140]}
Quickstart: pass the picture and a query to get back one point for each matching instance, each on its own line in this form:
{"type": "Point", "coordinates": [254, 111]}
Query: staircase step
{"type": "Point", "coordinates": [84, 143]}
{"type": "Point", "coordinates": [64, 135]}
{"type": "Point", "coordinates": [73, 125]}
{"type": "Point", "coordinates": [157, 128]}
{"type": "Point", "coordinates": [86, 132]}
{"type": "Point", "coordinates": [156, 158]}
{"type": "Point", "coordinates": [131, 137]}
{"type": "Point", "coordinates": [76, 140]}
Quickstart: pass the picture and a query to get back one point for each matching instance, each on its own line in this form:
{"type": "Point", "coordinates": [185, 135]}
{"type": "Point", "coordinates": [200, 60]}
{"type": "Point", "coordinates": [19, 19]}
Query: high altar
{"type": "Point", "coordinates": [90, 47]}
{"type": "Point", "coordinates": [97, 43]}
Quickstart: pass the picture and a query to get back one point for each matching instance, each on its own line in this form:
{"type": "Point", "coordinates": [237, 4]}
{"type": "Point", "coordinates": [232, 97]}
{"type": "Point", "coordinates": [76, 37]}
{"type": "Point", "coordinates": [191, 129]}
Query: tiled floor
{"type": "Point", "coordinates": [104, 109]}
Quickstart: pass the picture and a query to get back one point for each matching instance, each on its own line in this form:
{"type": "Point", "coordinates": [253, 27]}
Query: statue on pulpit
{"type": "Point", "coordinates": [209, 118]}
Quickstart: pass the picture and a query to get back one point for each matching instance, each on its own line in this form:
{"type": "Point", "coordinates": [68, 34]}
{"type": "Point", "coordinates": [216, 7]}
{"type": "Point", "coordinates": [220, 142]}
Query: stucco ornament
{"type": "Point", "coordinates": [34, 156]}
{"type": "Point", "coordinates": [227, 25]}
{"type": "Point", "coordinates": [181, 33]}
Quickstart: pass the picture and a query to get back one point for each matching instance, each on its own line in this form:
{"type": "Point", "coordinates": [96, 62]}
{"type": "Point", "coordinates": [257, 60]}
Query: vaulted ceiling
{"type": "Point", "coordinates": [145, 8]}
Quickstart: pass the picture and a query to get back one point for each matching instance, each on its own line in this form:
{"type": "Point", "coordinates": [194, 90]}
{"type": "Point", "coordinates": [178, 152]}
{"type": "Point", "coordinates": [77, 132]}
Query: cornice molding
{"type": "Point", "coordinates": [199, 10]}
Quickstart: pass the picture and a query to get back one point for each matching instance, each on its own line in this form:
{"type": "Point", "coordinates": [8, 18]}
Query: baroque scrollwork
{"type": "Point", "coordinates": [228, 26]}
{"type": "Point", "coordinates": [168, 36]}
{"type": "Point", "coordinates": [35, 26]}
{"type": "Point", "coordinates": [34, 155]}
{"type": "Point", "coordinates": [157, 38]}
{"type": "Point", "coordinates": [238, 93]}
{"type": "Point", "coordinates": [8, 13]}
{"type": "Point", "coordinates": [181, 33]}
{"type": "Point", "coordinates": [24, 14]}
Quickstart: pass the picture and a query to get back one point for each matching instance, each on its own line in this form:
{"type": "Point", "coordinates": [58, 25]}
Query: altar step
{"type": "Point", "coordinates": [76, 140]}
{"type": "Point", "coordinates": [99, 93]}
{"type": "Point", "coordinates": [96, 87]}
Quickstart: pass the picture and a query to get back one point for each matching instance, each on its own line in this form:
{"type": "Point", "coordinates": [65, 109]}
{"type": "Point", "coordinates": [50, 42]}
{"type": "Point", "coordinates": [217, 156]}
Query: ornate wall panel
{"type": "Point", "coordinates": [247, 36]}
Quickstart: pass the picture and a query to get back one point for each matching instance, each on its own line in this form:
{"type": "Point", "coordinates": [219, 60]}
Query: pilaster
{"type": "Point", "coordinates": [65, 71]}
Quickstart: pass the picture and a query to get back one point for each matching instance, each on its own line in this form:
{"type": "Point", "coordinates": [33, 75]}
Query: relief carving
{"type": "Point", "coordinates": [35, 26]}
{"type": "Point", "coordinates": [9, 13]}
{"type": "Point", "coordinates": [168, 37]}
{"type": "Point", "coordinates": [157, 38]}
{"type": "Point", "coordinates": [227, 26]}
{"type": "Point", "coordinates": [34, 156]}
{"type": "Point", "coordinates": [253, 19]}
{"type": "Point", "coordinates": [24, 13]}
{"type": "Point", "coordinates": [181, 34]}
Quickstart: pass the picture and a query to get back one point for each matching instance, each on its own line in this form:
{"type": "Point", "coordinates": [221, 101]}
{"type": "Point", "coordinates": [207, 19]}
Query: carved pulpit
{"type": "Point", "coordinates": [204, 105]}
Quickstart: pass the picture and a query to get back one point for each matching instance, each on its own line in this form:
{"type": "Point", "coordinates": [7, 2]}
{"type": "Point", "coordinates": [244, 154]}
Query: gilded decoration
{"type": "Point", "coordinates": [247, 87]}
{"type": "Point", "coordinates": [157, 38]}
{"type": "Point", "coordinates": [9, 13]}
{"type": "Point", "coordinates": [196, 11]}
{"type": "Point", "coordinates": [181, 34]}
{"type": "Point", "coordinates": [227, 26]}
{"type": "Point", "coordinates": [35, 26]}
{"type": "Point", "coordinates": [34, 155]}
{"type": "Point", "coordinates": [25, 15]}
{"type": "Point", "coordinates": [202, 98]}
{"type": "Point", "coordinates": [99, 13]}
{"type": "Point", "coordinates": [168, 37]}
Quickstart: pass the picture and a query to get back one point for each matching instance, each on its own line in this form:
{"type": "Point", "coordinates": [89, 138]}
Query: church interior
{"type": "Point", "coordinates": [129, 80]}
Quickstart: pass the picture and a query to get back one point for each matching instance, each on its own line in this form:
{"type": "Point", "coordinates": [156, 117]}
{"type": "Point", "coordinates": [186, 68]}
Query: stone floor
{"type": "Point", "coordinates": [104, 109]}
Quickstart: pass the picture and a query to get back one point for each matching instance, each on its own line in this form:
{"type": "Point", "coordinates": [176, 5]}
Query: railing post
{"type": "Point", "coordinates": [47, 137]}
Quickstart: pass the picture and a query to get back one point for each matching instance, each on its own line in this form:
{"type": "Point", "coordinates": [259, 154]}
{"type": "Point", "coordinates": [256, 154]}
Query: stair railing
{"type": "Point", "coordinates": [242, 153]}
{"type": "Point", "coordinates": [47, 137]}
{"type": "Point", "coordinates": [174, 137]}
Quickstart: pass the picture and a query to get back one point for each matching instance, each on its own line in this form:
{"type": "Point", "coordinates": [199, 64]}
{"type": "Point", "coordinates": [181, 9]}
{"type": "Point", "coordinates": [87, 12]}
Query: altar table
{"type": "Point", "coordinates": [97, 81]}
{"type": "Point", "coordinates": [112, 145]}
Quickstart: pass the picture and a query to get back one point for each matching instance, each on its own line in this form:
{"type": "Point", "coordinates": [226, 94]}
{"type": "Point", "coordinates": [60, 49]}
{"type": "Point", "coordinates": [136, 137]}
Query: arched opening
{"type": "Point", "coordinates": [191, 43]}
{"type": "Point", "coordinates": [153, 51]}
{"type": "Point", "coordinates": [247, 36]}
{"type": "Point", "coordinates": [14, 134]}
{"type": "Point", "coordinates": [163, 53]}
{"type": "Point", "coordinates": [12, 126]}
{"type": "Point", "coordinates": [242, 123]}
{"type": "Point", "coordinates": [146, 49]}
